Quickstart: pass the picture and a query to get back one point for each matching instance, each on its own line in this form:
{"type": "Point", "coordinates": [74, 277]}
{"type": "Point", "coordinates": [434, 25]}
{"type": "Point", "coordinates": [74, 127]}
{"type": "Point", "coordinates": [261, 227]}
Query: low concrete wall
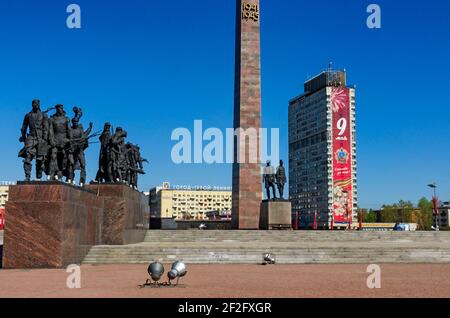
{"type": "Point", "coordinates": [173, 224]}
{"type": "Point", "coordinates": [210, 225]}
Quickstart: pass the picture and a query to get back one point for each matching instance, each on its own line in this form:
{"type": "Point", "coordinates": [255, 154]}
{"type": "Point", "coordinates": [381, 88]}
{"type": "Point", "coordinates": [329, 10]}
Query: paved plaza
{"type": "Point", "coordinates": [234, 281]}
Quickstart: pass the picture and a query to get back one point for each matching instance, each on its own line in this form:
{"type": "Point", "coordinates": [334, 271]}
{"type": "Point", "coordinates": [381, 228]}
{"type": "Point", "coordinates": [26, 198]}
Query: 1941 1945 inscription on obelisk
{"type": "Point", "coordinates": [247, 193]}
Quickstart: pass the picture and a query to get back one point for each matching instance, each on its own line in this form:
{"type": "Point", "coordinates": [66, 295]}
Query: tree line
{"type": "Point", "coordinates": [404, 212]}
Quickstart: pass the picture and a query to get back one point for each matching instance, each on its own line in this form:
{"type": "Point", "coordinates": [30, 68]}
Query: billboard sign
{"type": "Point", "coordinates": [342, 156]}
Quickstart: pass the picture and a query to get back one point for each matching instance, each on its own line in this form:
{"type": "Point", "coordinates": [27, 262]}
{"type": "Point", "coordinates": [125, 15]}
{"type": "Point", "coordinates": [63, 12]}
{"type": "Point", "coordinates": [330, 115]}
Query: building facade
{"type": "Point", "coordinates": [4, 190]}
{"type": "Point", "coordinates": [444, 212]}
{"type": "Point", "coordinates": [322, 152]}
{"type": "Point", "coordinates": [189, 203]}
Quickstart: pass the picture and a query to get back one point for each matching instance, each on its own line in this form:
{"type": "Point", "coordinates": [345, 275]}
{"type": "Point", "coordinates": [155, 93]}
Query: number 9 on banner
{"type": "Point", "coordinates": [342, 126]}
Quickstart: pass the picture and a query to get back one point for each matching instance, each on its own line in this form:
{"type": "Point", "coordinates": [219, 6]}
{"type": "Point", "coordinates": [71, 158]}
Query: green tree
{"type": "Point", "coordinates": [424, 215]}
{"type": "Point", "coordinates": [370, 217]}
{"type": "Point", "coordinates": [401, 212]}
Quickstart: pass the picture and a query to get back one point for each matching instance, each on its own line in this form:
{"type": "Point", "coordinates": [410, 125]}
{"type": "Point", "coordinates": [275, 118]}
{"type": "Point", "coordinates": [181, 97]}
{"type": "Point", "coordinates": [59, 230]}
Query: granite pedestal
{"type": "Point", "coordinates": [126, 214]}
{"type": "Point", "coordinates": [53, 224]}
{"type": "Point", "coordinates": [276, 215]}
{"type": "Point", "coordinates": [49, 225]}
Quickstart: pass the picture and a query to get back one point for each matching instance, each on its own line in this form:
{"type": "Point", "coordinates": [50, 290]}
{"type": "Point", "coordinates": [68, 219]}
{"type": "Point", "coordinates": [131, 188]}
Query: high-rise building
{"type": "Point", "coordinates": [444, 213]}
{"type": "Point", "coordinates": [322, 152]}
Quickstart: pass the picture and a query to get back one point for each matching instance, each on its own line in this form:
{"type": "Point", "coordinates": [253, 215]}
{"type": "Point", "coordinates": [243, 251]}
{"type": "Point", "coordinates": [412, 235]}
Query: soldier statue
{"type": "Point", "coordinates": [118, 163]}
{"type": "Point", "coordinates": [281, 178]}
{"type": "Point", "coordinates": [79, 142]}
{"type": "Point", "coordinates": [59, 137]}
{"type": "Point", "coordinates": [269, 180]}
{"type": "Point", "coordinates": [135, 164]}
{"type": "Point", "coordinates": [34, 135]}
{"type": "Point", "coordinates": [139, 164]}
{"type": "Point", "coordinates": [58, 145]}
{"type": "Point", "coordinates": [104, 173]}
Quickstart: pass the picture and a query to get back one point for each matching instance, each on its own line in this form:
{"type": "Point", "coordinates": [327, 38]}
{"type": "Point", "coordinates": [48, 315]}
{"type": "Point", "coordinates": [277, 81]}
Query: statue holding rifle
{"type": "Point", "coordinates": [79, 142]}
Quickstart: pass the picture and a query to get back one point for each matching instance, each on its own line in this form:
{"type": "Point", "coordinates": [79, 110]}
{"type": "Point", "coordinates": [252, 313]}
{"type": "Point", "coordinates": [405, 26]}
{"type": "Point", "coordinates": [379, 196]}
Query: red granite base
{"type": "Point", "coordinates": [49, 225]}
{"type": "Point", "coordinates": [276, 215]}
{"type": "Point", "coordinates": [125, 216]}
{"type": "Point", "coordinates": [53, 224]}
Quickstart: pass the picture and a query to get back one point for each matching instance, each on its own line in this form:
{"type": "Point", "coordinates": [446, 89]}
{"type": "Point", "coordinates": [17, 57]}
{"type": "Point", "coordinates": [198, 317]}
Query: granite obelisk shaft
{"type": "Point", "coordinates": [247, 189]}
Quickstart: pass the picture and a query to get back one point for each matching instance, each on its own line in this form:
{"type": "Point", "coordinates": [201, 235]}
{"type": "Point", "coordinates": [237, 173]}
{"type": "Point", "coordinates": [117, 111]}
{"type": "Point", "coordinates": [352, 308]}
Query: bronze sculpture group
{"type": "Point", "coordinates": [119, 161]}
{"type": "Point", "coordinates": [272, 179]}
{"type": "Point", "coordinates": [57, 145]}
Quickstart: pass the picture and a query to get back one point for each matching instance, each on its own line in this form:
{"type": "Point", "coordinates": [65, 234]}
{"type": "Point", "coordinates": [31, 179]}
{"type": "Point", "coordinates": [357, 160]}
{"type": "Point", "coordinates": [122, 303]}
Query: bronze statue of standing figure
{"type": "Point", "coordinates": [59, 137]}
{"type": "Point", "coordinates": [281, 179]}
{"type": "Point", "coordinates": [79, 142]}
{"type": "Point", "coordinates": [104, 173]}
{"type": "Point", "coordinates": [34, 135]}
{"type": "Point", "coordinates": [269, 180]}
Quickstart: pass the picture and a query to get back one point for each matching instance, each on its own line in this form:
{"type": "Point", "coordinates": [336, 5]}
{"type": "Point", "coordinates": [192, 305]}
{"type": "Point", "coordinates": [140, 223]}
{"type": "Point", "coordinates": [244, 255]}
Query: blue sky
{"type": "Point", "coordinates": [153, 66]}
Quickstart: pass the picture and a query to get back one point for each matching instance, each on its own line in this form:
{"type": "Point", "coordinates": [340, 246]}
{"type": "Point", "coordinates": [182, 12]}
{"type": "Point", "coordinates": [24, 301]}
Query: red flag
{"type": "Point", "coordinates": [332, 221]}
{"type": "Point", "coordinates": [361, 220]}
{"type": "Point", "coordinates": [315, 221]}
{"type": "Point", "coordinates": [349, 217]}
{"type": "Point", "coordinates": [435, 205]}
{"type": "Point", "coordinates": [2, 219]}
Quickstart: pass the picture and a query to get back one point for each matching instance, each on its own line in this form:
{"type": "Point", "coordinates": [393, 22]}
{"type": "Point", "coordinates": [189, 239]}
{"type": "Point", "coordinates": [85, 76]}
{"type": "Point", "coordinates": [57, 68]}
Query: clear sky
{"type": "Point", "coordinates": [153, 66]}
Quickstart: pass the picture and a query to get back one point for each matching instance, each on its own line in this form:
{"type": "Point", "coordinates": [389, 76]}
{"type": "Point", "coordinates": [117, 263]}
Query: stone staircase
{"type": "Point", "coordinates": [289, 247]}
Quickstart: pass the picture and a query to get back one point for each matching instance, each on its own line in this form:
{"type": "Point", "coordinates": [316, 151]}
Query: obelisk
{"type": "Point", "coordinates": [247, 178]}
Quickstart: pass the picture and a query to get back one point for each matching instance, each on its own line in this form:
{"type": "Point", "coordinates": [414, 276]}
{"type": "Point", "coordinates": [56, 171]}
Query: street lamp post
{"type": "Point", "coordinates": [435, 204]}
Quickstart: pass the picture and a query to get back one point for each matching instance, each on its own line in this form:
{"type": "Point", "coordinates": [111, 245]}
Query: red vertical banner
{"type": "Point", "coordinates": [332, 222]}
{"type": "Point", "coordinates": [2, 219]}
{"type": "Point", "coordinates": [361, 215]}
{"type": "Point", "coordinates": [342, 156]}
{"type": "Point", "coordinates": [315, 221]}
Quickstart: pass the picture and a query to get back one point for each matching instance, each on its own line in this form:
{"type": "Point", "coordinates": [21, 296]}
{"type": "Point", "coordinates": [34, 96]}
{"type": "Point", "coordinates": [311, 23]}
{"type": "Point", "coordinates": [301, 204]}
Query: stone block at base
{"type": "Point", "coordinates": [126, 214]}
{"type": "Point", "coordinates": [49, 225]}
{"type": "Point", "coordinates": [276, 215]}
